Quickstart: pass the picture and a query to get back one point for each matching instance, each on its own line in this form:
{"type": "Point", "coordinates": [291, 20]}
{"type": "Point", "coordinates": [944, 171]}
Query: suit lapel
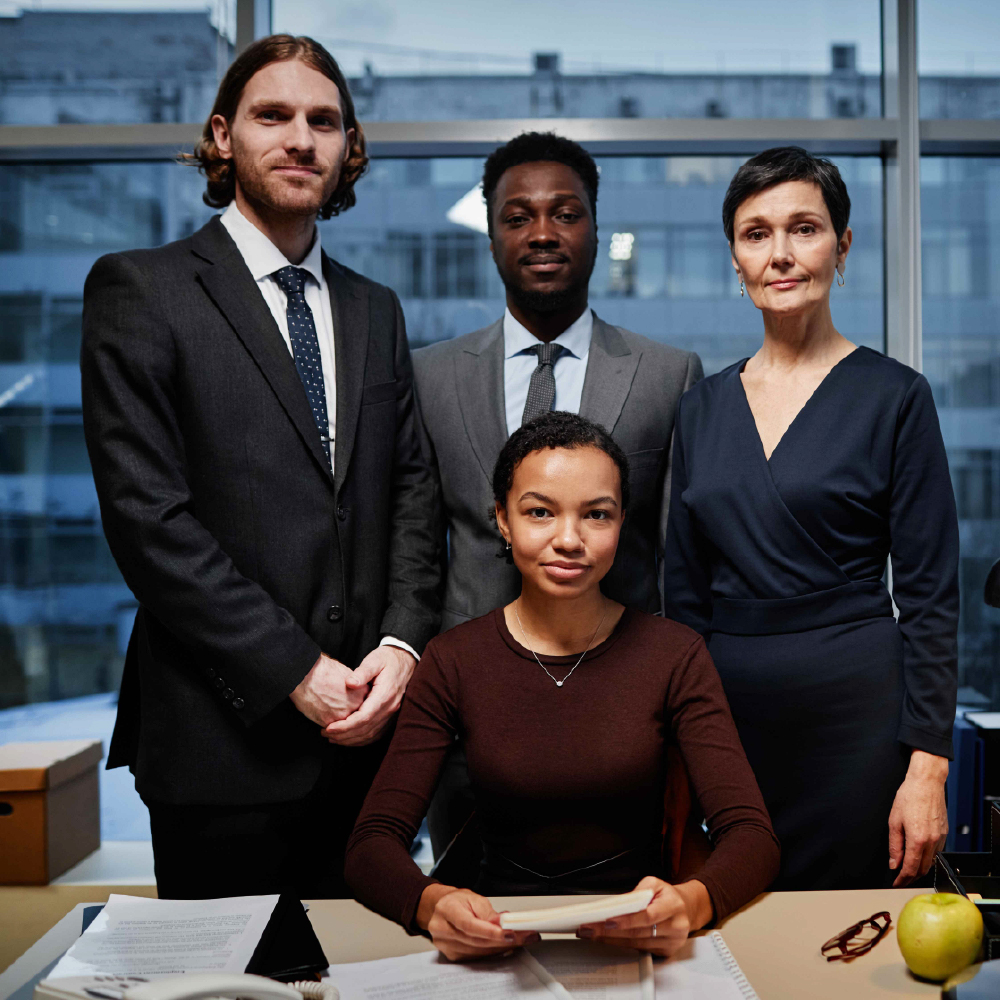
{"type": "Point", "coordinates": [228, 282]}
{"type": "Point", "coordinates": [610, 369]}
{"type": "Point", "coordinates": [349, 304]}
{"type": "Point", "coordinates": [479, 379]}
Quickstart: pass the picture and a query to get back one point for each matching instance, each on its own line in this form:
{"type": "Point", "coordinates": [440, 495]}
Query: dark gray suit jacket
{"type": "Point", "coordinates": [246, 554]}
{"type": "Point", "coordinates": [631, 387]}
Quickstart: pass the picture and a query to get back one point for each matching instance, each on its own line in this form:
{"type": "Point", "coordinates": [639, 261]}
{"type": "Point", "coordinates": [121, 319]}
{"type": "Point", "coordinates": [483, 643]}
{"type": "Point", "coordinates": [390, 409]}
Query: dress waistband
{"type": "Point", "coordinates": [851, 602]}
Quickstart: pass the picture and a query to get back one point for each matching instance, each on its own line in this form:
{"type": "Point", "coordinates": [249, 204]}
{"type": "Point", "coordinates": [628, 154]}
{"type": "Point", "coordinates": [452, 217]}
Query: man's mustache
{"type": "Point", "coordinates": [543, 258]}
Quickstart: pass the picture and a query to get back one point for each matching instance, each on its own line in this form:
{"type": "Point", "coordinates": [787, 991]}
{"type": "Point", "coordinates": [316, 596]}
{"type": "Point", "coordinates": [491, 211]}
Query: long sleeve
{"type": "Point", "coordinates": [378, 865]}
{"type": "Point", "coordinates": [687, 595]}
{"type": "Point", "coordinates": [745, 855]}
{"type": "Point", "coordinates": [414, 571]}
{"type": "Point", "coordinates": [924, 549]}
{"type": "Point", "coordinates": [695, 373]}
{"type": "Point", "coordinates": [170, 561]}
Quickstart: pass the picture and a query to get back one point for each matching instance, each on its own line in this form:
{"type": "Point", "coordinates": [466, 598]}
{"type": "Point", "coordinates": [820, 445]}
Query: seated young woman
{"type": "Point", "coordinates": [567, 704]}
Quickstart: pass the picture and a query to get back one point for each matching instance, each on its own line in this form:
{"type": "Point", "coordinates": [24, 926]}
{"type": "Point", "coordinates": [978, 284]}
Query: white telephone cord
{"type": "Point", "coordinates": [316, 991]}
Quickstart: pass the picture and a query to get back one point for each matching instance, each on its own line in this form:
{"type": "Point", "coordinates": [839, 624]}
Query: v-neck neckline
{"type": "Point", "coordinates": [753, 421]}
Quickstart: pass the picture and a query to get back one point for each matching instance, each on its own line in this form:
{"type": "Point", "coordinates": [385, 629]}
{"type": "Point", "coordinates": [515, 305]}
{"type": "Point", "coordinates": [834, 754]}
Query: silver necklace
{"type": "Point", "coordinates": [559, 684]}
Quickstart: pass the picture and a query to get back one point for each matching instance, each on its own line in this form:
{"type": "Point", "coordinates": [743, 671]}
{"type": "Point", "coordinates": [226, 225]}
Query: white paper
{"type": "Point", "coordinates": [566, 918]}
{"type": "Point", "coordinates": [427, 976]}
{"type": "Point", "coordinates": [594, 971]}
{"type": "Point", "coordinates": [699, 972]}
{"type": "Point", "coordinates": [134, 935]}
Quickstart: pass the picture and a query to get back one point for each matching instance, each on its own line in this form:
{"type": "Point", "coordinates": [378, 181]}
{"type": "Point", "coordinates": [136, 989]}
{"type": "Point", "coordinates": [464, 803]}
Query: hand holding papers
{"type": "Point", "coordinates": [566, 919]}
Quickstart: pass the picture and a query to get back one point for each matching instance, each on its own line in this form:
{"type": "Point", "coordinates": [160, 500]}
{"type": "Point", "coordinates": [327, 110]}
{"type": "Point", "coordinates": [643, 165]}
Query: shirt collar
{"type": "Point", "coordinates": [576, 338]}
{"type": "Point", "coordinates": [262, 257]}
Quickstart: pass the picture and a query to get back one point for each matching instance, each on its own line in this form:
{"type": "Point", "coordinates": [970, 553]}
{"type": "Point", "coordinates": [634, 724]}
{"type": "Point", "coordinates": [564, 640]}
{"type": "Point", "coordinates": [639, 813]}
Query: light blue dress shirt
{"type": "Point", "coordinates": [520, 361]}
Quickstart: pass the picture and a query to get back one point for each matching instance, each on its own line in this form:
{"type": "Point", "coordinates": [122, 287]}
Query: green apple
{"type": "Point", "coordinates": [939, 933]}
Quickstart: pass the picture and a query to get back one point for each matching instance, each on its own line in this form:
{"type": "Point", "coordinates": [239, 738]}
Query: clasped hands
{"type": "Point", "coordinates": [464, 925]}
{"type": "Point", "coordinates": [353, 707]}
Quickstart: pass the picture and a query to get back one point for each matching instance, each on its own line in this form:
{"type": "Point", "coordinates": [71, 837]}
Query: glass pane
{"type": "Point", "coordinates": [959, 58]}
{"type": "Point", "coordinates": [65, 613]}
{"type": "Point", "coordinates": [98, 61]}
{"type": "Point", "coordinates": [663, 269]}
{"type": "Point", "coordinates": [443, 59]}
{"type": "Point", "coordinates": [960, 210]}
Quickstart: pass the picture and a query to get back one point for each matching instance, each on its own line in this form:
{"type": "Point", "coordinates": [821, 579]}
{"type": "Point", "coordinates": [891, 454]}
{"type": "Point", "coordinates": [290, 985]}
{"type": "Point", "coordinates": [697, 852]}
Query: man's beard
{"type": "Point", "coordinates": [537, 300]}
{"type": "Point", "coordinates": [253, 179]}
{"type": "Point", "coordinates": [545, 301]}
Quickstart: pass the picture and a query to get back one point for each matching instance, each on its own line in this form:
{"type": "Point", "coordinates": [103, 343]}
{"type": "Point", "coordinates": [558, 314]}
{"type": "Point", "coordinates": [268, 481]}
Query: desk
{"type": "Point", "coordinates": [775, 939]}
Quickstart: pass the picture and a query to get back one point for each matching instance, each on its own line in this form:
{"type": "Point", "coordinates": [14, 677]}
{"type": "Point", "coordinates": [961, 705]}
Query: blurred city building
{"type": "Point", "coordinates": [663, 270]}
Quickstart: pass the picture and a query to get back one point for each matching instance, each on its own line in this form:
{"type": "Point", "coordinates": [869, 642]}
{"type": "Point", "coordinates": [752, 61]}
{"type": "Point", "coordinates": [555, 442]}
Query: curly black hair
{"type": "Point", "coordinates": [533, 147]}
{"type": "Point", "coordinates": [558, 429]}
{"type": "Point", "coordinates": [787, 163]}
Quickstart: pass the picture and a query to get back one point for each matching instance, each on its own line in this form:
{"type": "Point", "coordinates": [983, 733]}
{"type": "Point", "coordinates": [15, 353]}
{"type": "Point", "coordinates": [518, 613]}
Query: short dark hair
{"type": "Point", "coordinates": [787, 163]}
{"type": "Point", "coordinates": [533, 147]}
{"type": "Point", "coordinates": [558, 429]}
{"type": "Point", "coordinates": [219, 172]}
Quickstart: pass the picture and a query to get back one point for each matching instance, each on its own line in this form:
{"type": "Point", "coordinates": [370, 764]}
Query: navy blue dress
{"type": "Point", "coordinates": [779, 563]}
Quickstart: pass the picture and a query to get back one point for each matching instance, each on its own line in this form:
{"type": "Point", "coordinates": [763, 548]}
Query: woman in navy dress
{"type": "Point", "coordinates": [797, 474]}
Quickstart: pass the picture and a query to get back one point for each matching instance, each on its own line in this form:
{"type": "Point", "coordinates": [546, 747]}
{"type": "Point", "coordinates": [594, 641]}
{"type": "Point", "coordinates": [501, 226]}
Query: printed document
{"type": "Point", "coordinates": [592, 971]}
{"type": "Point", "coordinates": [133, 935]}
{"type": "Point", "coordinates": [427, 976]}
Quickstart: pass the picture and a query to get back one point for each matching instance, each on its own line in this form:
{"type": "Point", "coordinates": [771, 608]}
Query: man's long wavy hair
{"type": "Point", "coordinates": [219, 172]}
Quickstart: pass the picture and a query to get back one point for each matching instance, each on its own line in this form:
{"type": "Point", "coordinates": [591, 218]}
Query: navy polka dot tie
{"type": "Point", "coordinates": [305, 347]}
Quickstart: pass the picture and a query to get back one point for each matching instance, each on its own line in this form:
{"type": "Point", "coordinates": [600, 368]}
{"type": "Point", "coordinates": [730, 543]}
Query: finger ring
{"type": "Point", "coordinates": [654, 930]}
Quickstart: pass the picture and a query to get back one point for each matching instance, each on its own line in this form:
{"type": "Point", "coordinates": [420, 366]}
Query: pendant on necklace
{"type": "Point", "coordinates": [559, 684]}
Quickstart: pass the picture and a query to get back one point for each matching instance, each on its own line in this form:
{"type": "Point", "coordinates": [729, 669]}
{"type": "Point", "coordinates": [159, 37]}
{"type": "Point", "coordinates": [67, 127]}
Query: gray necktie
{"type": "Point", "coordinates": [305, 347]}
{"type": "Point", "coordinates": [542, 388]}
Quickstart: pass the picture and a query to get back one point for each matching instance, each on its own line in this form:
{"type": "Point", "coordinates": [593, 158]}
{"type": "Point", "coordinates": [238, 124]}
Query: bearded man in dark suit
{"type": "Point", "coordinates": [249, 413]}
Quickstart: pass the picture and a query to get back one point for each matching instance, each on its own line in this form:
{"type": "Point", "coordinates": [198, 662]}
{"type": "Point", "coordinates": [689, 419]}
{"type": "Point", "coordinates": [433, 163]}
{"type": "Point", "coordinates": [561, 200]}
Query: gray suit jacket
{"type": "Point", "coordinates": [632, 387]}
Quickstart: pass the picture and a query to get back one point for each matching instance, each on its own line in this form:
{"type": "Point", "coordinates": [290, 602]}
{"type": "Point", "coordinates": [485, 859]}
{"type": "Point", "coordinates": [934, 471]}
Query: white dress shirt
{"type": "Point", "coordinates": [263, 258]}
{"type": "Point", "coordinates": [520, 361]}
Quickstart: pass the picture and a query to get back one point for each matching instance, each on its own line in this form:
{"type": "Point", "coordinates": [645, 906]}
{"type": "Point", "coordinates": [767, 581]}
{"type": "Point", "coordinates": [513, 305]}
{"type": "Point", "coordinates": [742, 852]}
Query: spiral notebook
{"type": "Point", "coordinates": [704, 969]}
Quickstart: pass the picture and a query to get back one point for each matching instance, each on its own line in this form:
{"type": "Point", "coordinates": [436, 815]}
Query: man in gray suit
{"type": "Point", "coordinates": [548, 351]}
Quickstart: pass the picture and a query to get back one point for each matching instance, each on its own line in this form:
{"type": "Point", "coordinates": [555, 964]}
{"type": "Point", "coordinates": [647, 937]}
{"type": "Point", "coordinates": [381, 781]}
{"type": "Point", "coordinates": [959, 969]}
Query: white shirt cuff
{"type": "Point", "coordinates": [388, 640]}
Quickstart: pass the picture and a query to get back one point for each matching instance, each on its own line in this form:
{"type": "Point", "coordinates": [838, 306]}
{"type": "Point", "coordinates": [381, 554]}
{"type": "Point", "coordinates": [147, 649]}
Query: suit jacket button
{"type": "Point", "coordinates": [228, 693]}
{"type": "Point", "coordinates": [341, 513]}
{"type": "Point", "coordinates": [238, 703]}
{"type": "Point", "coordinates": [219, 683]}
{"type": "Point", "coordinates": [335, 613]}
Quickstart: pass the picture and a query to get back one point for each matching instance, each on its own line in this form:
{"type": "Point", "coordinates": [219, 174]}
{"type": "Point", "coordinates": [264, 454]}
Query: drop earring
{"type": "Point", "coordinates": [841, 280]}
{"type": "Point", "coordinates": [741, 288]}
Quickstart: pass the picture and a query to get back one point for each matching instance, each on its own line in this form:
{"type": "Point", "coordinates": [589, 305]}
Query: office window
{"type": "Point", "coordinates": [95, 62]}
{"type": "Point", "coordinates": [63, 604]}
{"type": "Point", "coordinates": [958, 58]}
{"type": "Point", "coordinates": [443, 60]}
{"type": "Point", "coordinates": [960, 209]}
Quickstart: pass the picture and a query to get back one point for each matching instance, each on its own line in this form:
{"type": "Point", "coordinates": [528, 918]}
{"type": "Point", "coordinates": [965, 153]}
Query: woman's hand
{"type": "Point", "coordinates": [663, 926]}
{"type": "Point", "coordinates": [464, 925]}
{"type": "Point", "coordinates": [918, 821]}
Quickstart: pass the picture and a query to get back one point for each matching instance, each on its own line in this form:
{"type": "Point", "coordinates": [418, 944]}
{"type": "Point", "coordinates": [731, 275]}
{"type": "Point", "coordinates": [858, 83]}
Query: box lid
{"type": "Point", "coordinates": [27, 767]}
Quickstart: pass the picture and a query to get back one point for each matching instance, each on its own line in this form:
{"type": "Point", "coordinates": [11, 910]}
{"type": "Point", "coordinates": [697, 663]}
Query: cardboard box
{"type": "Point", "coordinates": [50, 808]}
